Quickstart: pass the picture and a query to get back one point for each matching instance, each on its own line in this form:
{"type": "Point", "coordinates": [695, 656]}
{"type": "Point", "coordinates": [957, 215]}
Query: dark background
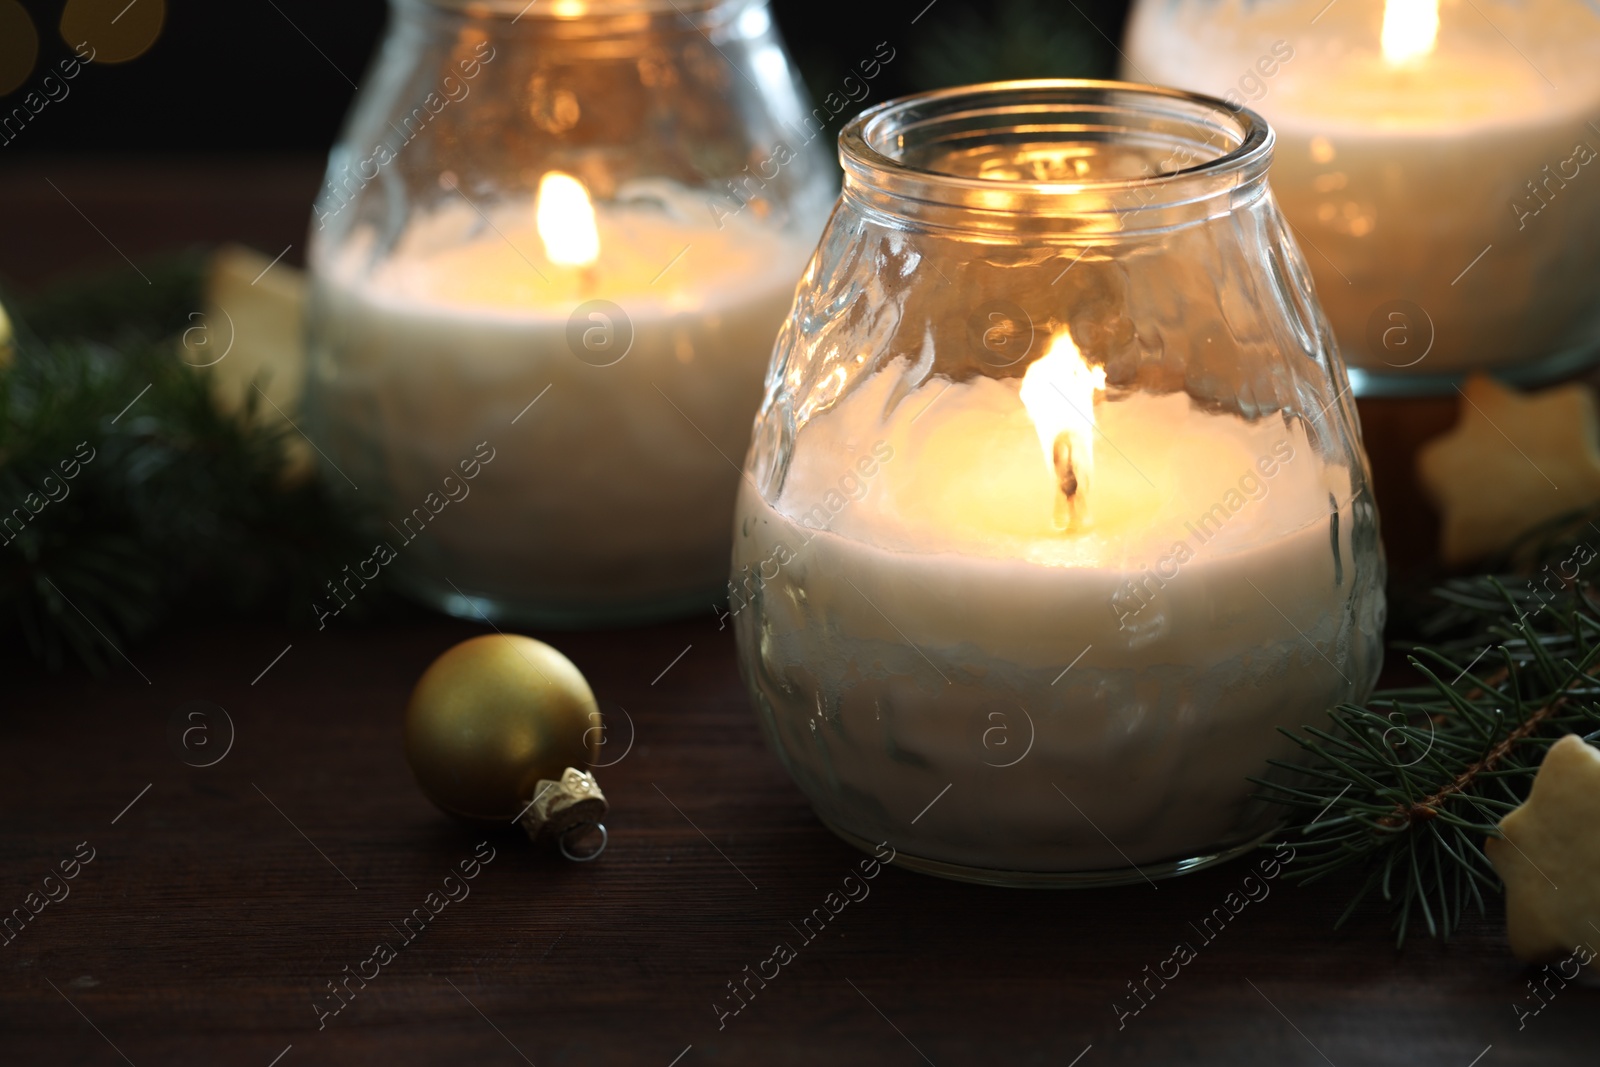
{"type": "Point", "coordinates": [242, 76]}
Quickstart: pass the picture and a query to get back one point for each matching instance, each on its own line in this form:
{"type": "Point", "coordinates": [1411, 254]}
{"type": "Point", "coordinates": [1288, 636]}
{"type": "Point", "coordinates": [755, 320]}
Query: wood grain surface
{"type": "Point", "coordinates": [222, 901]}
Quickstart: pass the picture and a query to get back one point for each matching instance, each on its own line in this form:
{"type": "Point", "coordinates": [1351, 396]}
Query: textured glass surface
{"type": "Point", "coordinates": [1007, 662]}
{"type": "Point", "coordinates": [548, 407]}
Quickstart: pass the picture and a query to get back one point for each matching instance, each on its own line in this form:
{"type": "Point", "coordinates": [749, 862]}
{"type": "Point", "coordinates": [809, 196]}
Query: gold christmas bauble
{"type": "Point", "coordinates": [491, 717]}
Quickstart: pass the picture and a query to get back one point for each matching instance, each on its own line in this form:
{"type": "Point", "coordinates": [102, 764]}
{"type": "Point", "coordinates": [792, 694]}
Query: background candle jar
{"type": "Point", "coordinates": [1435, 161]}
{"type": "Point", "coordinates": [1057, 509]}
{"type": "Point", "coordinates": [554, 248]}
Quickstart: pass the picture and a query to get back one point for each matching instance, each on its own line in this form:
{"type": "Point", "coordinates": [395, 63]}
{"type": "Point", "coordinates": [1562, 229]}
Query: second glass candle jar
{"type": "Point", "coordinates": [1433, 161]}
{"type": "Point", "coordinates": [555, 245]}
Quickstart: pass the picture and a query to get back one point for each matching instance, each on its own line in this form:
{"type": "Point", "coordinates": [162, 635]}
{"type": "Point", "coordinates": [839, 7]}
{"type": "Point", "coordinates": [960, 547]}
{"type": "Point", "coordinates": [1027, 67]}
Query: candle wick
{"type": "Point", "coordinates": [1065, 472]}
{"type": "Point", "coordinates": [1069, 477]}
{"type": "Point", "coordinates": [1069, 503]}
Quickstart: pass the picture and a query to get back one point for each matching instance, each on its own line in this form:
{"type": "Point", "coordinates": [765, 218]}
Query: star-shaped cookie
{"type": "Point", "coordinates": [1550, 856]}
{"type": "Point", "coordinates": [249, 341]}
{"type": "Point", "coordinates": [1511, 462]}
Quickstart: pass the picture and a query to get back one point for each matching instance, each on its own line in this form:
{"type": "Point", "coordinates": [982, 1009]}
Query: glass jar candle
{"type": "Point", "coordinates": [1433, 161]}
{"type": "Point", "coordinates": [555, 245]}
{"type": "Point", "coordinates": [1057, 509]}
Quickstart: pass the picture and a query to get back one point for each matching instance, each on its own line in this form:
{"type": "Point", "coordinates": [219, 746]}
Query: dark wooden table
{"type": "Point", "coordinates": [222, 900]}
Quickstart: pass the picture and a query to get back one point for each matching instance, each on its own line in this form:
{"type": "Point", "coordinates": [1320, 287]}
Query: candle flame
{"type": "Point", "coordinates": [565, 219]}
{"type": "Point", "coordinates": [1059, 392]}
{"type": "Point", "coordinates": [1410, 29]}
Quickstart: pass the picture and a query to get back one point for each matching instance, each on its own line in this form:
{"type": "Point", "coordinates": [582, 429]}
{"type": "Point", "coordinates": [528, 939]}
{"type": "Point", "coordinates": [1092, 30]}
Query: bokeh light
{"type": "Point", "coordinates": [117, 30]}
{"type": "Point", "coordinates": [19, 45]}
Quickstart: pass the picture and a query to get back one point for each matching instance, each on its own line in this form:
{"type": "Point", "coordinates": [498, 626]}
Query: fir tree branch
{"type": "Point", "coordinates": [182, 505]}
{"type": "Point", "coordinates": [1429, 806]}
{"type": "Point", "coordinates": [1402, 792]}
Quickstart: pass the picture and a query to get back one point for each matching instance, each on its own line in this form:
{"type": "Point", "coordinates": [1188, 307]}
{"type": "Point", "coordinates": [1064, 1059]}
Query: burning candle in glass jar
{"type": "Point", "coordinates": [1134, 546]}
{"type": "Point", "coordinates": [556, 243]}
{"type": "Point", "coordinates": [1009, 528]}
{"type": "Point", "coordinates": [638, 326]}
{"type": "Point", "coordinates": [1433, 165]}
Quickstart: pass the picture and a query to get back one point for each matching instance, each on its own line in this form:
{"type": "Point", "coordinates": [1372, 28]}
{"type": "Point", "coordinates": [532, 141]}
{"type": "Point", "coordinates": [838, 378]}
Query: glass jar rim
{"type": "Point", "coordinates": [572, 12]}
{"type": "Point", "coordinates": [1210, 179]}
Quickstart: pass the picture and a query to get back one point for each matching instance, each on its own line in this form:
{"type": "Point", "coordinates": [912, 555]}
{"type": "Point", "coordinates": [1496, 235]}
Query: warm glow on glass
{"type": "Point", "coordinates": [1410, 28]}
{"type": "Point", "coordinates": [1059, 392]}
{"type": "Point", "coordinates": [566, 223]}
